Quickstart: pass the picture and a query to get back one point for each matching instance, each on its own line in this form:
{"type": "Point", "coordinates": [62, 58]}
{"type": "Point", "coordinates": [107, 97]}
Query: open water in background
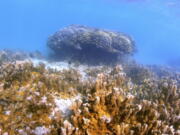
{"type": "Point", "coordinates": [153, 24]}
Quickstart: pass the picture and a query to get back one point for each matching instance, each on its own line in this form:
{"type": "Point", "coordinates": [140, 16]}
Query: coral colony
{"type": "Point", "coordinates": [42, 96]}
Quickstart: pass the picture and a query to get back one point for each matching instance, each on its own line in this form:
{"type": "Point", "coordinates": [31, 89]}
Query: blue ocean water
{"type": "Point", "coordinates": [153, 24]}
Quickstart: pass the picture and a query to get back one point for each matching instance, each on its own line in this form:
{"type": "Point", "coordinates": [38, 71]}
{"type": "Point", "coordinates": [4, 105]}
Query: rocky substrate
{"type": "Point", "coordinates": [7, 55]}
{"type": "Point", "coordinates": [41, 100]}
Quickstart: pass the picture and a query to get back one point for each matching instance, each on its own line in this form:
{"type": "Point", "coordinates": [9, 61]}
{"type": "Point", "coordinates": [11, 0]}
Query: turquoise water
{"type": "Point", "coordinates": [153, 24]}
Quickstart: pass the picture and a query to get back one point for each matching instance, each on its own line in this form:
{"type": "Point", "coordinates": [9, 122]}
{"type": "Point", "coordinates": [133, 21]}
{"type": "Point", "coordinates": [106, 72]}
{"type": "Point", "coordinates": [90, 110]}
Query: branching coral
{"type": "Point", "coordinates": [36, 100]}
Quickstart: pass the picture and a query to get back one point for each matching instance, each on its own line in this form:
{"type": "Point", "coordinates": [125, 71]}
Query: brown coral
{"type": "Point", "coordinates": [109, 104]}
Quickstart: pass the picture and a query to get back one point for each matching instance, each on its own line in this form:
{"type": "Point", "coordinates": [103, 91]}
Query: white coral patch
{"type": "Point", "coordinates": [7, 112]}
{"type": "Point", "coordinates": [64, 104]}
{"type": "Point", "coordinates": [41, 130]}
{"type": "Point", "coordinates": [44, 100]}
{"type": "Point", "coordinates": [29, 98]}
{"type": "Point", "coordinates": [86, 121]}
{"type": "Point", "coordinates": [106, 119]}
{"type": "Point", "coordinates": [59, 66]}
{"type": "Point", "coordinates": [53, 65]}
{"type": "Point", "coordinates": [130, 96]}
{"type": "Point", "coordinates": [22, 132]}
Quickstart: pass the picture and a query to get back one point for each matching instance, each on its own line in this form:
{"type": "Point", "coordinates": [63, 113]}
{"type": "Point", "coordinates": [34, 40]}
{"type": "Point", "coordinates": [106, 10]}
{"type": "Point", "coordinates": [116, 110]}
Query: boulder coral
{"type": "Point", "coordinates": [90, 45]}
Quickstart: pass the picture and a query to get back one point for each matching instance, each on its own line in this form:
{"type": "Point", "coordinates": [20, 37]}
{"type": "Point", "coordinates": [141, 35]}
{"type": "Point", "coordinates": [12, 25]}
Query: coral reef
{"type": "Point", "coordinates": [96, 101]}
{"type": "Point", "coordinates": [90, 45]}
{"type": "Point", "coordinates": [11, 55]}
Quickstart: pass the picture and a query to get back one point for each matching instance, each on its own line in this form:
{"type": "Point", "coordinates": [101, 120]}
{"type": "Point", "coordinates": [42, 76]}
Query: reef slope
{"type": "Point", "coordinates": [40, 100]}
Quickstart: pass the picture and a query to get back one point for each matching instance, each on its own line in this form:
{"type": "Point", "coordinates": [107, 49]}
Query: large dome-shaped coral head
{"type": "Point", "coordinates": [90, 45]}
